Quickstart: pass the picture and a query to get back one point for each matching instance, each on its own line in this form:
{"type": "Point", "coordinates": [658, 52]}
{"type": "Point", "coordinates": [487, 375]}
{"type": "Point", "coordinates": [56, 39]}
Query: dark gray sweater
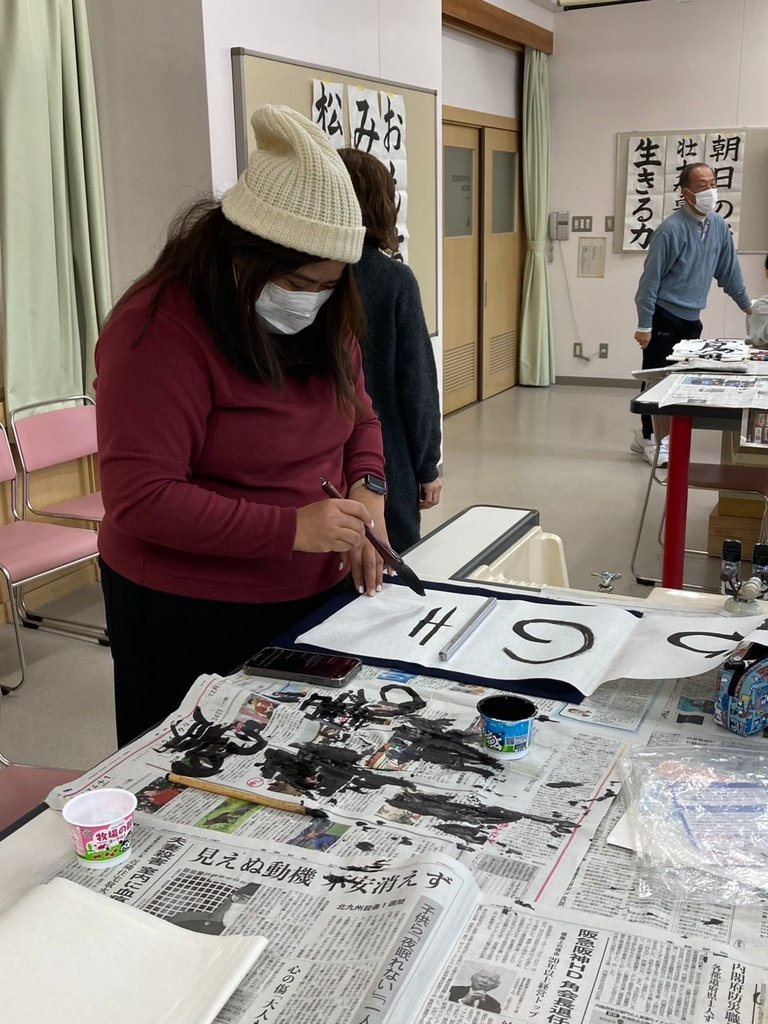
{"type": "Point", "coordinates": [401, 379]}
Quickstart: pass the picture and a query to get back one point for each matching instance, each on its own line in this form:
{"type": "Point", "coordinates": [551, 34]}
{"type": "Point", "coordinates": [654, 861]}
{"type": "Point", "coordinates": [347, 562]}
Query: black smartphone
{"type": "Point", "coordinates": [303, 666]}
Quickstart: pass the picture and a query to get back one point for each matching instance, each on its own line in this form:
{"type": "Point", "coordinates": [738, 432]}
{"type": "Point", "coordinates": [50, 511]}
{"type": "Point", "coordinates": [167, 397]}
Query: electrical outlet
{"type": "Point", "coordinates": [602, 352]}
{"type": "Point", "coordinates": [609, 222]}
{"type": "Point", "coordinates": [576, 349]}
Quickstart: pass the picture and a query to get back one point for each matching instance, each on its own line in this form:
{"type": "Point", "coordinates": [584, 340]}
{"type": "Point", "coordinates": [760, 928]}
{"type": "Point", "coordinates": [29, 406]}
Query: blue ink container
{"type": "Point", "coordinates": [507, 724]}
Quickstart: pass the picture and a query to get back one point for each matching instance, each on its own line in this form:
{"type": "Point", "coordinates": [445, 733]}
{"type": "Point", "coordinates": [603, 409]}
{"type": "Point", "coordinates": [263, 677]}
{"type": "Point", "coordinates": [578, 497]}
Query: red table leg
{"type": "Point", "coordinates": [677, 502]}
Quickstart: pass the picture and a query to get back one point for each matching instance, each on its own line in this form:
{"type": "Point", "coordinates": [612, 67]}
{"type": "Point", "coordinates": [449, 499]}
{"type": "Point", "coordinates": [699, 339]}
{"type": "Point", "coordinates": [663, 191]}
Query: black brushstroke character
{"type": "Point", "coordinates": [519, 628]}
{"type": "Point", "coordinates": [429, 620]}
{"type": "Point", "coordinates": [676, 639]}
{"type": "Point", "coordinates": [363, 133]}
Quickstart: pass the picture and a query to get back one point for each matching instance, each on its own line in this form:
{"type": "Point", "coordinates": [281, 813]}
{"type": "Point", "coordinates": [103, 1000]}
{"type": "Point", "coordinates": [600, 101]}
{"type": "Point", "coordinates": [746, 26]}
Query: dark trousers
{"type": "Point", "coordinates": [161, 643]}
{"type": "Point", "coordinates": [666, 330]}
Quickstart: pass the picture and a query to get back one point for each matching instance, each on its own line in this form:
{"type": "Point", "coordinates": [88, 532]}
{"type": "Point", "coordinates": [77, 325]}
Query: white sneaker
{"type": "Point", "coordinates": [650, 452]}
{"type": "Point", "coordinates": [639, 443]}
{"type": "Point", "coordinates": [663, 452]}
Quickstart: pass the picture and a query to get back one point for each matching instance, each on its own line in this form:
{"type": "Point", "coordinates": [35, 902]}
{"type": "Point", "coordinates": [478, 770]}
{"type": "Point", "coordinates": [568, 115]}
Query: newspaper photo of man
{"type": "Point", "coordinates": [482, 981]}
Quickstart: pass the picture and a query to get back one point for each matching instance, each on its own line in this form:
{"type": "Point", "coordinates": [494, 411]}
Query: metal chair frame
{"type": "Point", "coordinates": [16, 580]}
{"type": "Point", "coordinates": [86, 510]}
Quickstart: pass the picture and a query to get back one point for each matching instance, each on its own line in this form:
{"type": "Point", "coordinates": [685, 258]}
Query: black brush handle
{"type": "Point", "coordinates": [388, 554]}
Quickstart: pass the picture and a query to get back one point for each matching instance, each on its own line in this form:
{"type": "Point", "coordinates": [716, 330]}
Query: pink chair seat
{"type": "Point", "coordinates": [23, 787]}
{"type": "Point", "coordinates": [28, 549]}
{"type": "Point", "coordinates": [87, 506]}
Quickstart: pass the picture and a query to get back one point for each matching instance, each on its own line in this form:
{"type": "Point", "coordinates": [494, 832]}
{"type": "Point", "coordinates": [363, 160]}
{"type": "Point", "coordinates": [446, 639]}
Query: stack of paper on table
{"type": "Point", "coordinates": [69, 955]}
{"type": "Point", "coordinates": [718, 349]}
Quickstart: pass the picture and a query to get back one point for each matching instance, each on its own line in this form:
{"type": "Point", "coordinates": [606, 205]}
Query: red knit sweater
{"type": "Point", "coordinates": [203, 470]}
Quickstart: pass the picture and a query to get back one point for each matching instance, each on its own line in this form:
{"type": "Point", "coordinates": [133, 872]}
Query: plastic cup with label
{"type": "Point", "coordinates": [507, 725]}
{"type": "Point", "coordinates": [100, 822]}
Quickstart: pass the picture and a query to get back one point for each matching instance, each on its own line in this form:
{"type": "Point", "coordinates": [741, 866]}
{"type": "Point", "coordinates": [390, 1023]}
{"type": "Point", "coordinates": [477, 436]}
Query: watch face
{"type": "Point", "coordinates": [376, 484]}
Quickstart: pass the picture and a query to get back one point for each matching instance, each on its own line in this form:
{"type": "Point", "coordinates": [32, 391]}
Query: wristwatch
{"type": "Point", "coordinates": [377, 484]}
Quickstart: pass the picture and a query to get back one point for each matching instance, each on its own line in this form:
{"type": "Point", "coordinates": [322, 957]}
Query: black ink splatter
{"type": "Point", "coordinates": [470, 822]}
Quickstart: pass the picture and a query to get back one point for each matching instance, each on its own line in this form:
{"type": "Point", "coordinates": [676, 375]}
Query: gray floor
{"type": "Point", "coordinates": [563, 450]}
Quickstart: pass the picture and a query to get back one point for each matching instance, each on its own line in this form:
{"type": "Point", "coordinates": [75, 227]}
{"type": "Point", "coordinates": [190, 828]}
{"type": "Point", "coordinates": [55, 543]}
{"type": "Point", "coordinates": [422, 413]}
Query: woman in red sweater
{"type": "Point", "coordinates": [228, 383]}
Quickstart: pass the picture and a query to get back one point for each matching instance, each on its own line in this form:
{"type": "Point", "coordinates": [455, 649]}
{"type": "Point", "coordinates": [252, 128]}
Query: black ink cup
{"type": "Point", "coordinates": [507, 725]}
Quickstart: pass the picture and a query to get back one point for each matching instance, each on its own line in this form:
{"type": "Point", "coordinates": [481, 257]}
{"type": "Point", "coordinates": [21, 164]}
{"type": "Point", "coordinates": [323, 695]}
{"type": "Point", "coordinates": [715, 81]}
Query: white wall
{"type": "Point", "coordinates": [662, 65]}
{"type": "Point", "coordinates": [478, 75]}
{"type": "Point", "coordinates": [530, 11]}
{"type": "Point", "coordinates": [151, 99]}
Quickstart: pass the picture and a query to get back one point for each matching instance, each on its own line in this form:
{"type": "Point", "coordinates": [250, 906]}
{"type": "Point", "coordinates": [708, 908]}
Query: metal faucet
{"type": "Point", "coordinates": [607, 579]}
{"type": "Point", "coordinates": [744, 595]}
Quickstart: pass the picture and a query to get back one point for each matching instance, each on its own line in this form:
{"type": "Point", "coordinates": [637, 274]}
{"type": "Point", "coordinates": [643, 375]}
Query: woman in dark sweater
{"type": "Point", "coordinates": [399, 364]}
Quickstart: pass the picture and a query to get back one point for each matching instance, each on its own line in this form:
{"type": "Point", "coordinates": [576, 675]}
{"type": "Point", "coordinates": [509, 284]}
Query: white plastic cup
{"type": "Point", "coordinates": [101, 822]}
{"type": "Point", "coordinates": [507, 723]}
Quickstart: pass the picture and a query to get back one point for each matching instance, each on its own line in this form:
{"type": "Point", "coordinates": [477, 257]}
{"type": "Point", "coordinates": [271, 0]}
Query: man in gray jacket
{"type": "Point", "coordinates": [688, 249]}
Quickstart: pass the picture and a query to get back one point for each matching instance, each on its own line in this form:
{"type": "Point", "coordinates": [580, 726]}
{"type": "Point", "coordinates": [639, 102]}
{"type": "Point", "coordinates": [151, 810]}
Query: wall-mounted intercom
{"type": "Point", "coordinates": [558, 226]}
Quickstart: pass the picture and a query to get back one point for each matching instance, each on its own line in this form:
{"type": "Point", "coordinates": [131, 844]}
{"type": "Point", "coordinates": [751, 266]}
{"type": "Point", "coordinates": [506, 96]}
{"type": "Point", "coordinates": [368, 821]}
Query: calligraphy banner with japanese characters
{"type": "Point", "coordinates": [328, 110]}
{"type": "Point", "coordinates": [644, 209]}
{"type": "Point", "coordinates": [377, 125]}
{"type": "Point", "coordinates": [654, 165]}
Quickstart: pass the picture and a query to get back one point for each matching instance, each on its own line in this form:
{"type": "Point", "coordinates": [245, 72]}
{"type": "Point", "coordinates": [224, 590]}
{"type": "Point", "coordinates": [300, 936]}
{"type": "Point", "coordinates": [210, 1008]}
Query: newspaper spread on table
{"type": "Point", "coordinates": [424, 889]}
{"type": "Point", "coordinates": [710, 388]}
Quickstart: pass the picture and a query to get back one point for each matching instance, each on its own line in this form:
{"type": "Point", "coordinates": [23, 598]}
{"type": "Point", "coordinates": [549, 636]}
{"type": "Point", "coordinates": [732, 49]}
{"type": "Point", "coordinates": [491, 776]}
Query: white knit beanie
{"type": "Point", "coordinates": [296, 190]}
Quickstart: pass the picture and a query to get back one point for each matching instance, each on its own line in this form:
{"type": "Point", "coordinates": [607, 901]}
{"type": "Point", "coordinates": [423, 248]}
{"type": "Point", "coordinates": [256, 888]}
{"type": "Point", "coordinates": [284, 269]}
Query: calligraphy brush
{"type": "Point", "coordinates": [390, 556]}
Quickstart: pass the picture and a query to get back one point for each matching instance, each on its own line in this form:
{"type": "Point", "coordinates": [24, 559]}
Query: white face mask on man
{"type": "Point", "coordinates": [705, 201]}
{"type": "Point", "coordinates": [288, 312]}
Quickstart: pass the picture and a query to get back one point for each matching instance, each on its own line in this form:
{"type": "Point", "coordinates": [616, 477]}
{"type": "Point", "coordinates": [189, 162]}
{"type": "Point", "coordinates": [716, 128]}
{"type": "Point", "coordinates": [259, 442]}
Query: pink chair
{"type": "Point", "coordinates": [32, 551]}
{"type": "Point", "coordinates": [24, 786]}
{"type": "Point", "coordinates": [46, 439]}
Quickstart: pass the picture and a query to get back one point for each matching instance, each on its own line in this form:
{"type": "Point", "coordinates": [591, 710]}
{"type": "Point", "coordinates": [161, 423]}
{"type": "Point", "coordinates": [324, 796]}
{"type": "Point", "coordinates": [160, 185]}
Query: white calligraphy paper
{"type": "Point", "coordinates": [365, 124]}
{"type": "Point", "coordinates": [681, 150]}
{"type": "Point", "coordinates": [646, 159]}
{"type": "Point", "coordinates": [725, 155]}
{"type": "Point", "coordinates": [328, 110]}
{"type": "Point", "coordinates": [392, 108]}
{"type": "Point", "coordinates": [580, 645]}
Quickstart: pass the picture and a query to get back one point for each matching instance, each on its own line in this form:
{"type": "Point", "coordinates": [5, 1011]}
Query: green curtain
{"type": "Point", "coordinates": [537, 359]}
{"type": "Point", "coordinates": [53, 237]}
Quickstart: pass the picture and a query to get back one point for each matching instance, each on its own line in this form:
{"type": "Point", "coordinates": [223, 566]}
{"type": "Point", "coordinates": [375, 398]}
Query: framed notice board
{"type": "Point", "coordinates": [753, 229]}
{"type": "Point", "coordinates": [258, 78]}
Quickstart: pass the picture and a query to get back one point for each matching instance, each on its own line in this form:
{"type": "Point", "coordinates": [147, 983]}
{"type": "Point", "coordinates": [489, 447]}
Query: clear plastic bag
{"type": "Point", "coordinates": [699, 821]}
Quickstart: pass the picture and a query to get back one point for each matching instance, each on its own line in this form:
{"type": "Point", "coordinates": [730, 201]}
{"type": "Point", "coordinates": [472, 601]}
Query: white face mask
{"type": "Point", "coordinates": [705, 201]}
{"type": "Point", "coordinates": [289, 312]}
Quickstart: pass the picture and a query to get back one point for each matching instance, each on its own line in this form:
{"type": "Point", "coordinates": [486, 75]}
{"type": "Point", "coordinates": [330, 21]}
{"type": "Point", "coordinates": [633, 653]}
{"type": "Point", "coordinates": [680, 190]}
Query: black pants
{"type": "Point", "coordinates": [162, 642]}
{"type": "Point", "coordinates": [666, 330]}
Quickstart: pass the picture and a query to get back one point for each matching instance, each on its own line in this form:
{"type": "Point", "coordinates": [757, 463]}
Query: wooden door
{"type": "Point", "coordinates": [502, 255]}
{"type": "Point", "coordinates": [461, 265]}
